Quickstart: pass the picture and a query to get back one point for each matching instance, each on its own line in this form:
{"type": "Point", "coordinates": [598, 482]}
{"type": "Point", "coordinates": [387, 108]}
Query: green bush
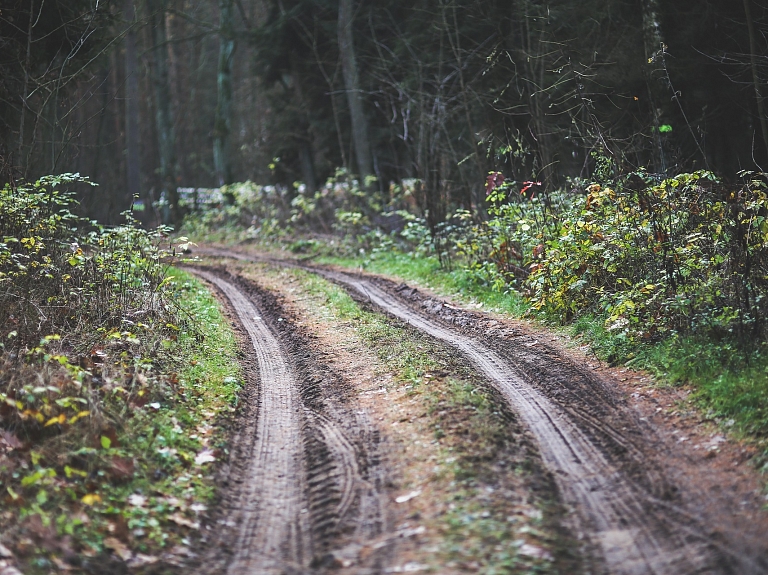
{"type": "Point", "coordinates": [688, 254]}
{"type": "Point", "coordinates": [63, 274]}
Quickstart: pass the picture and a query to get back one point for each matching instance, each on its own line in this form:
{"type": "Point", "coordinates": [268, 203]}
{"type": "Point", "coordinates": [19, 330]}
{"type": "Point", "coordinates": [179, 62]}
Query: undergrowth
{"type": "Point", "coordinates": [113, 374]}
{"type": "Point", "coordinates": [650, 271]}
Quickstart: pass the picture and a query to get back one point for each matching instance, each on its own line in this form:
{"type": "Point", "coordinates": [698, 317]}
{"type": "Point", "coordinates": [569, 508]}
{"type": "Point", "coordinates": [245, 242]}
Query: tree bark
{"type": "Point", "coordinates": [163, 110]}
{"type": "Point", "coordinates": [653, 41]}
{"type": "Point", "coordinates": [223, 120]}
{"type": "Point", "coordinates": [354, 91]}
{"type": "Point", "coordinates": [755, 78]}
{"type": "Point", "coordinates": [133, 167]}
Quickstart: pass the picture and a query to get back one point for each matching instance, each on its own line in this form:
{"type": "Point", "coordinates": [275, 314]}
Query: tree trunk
{"type": "Point", "coordinates": [133, 168]}
{"type": "Point", "coordinates": [163, 110]}
{"type": "Point", "coordinates": [354, 92]}
{"type": "Point", "coordinates": [653, 41]}
{"type": "Point", "coordinates": [223, 120]}
{"type": "Point", "coordinates": [755, 78]}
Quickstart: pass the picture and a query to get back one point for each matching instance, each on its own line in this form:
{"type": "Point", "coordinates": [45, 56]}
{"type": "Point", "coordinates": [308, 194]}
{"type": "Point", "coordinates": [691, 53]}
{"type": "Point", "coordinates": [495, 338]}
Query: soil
{"type": "Point", "coordinates": [304, 477]}
{"type": "Point", "coordinates": [644, 486]}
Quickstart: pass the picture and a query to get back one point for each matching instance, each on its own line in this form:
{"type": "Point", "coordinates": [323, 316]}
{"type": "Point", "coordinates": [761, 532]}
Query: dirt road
{"type": "Point", "coordinates": [633, 506]}
{"type": "Point", "coordinates": [297, 462]}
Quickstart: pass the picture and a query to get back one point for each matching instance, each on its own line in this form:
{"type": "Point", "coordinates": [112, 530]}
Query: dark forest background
{"type": "Point", "coordinates": [144, 96]}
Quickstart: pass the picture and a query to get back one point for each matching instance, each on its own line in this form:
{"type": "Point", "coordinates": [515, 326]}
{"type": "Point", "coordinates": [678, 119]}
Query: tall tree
{"type": "Point", "coordinates": [354, 89]}
{"type": "Point", "coordinates": [132, 161]}
{"type": "Point", "coordinates": [163, 109]}
{"type": "Point", "coordinates": [223, 116]}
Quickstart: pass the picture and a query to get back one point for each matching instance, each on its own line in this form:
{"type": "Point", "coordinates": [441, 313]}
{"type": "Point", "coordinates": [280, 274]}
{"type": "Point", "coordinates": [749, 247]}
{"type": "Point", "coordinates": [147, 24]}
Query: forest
{"type": "Point", "coordinates": [145, 97]}
{"type": "Point", "coordinates": [435, 201]}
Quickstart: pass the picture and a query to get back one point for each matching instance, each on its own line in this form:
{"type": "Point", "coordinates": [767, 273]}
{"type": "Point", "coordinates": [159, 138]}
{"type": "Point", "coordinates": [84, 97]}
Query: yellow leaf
{"type": "Point", "coordinates": [91, 498]}
{"type": "Point", "coordinates": [80, 414]}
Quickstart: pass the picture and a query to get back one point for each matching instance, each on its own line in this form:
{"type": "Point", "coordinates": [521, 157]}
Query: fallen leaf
{"type": "Point", "coordinates": [91, 498]}
{"type": "Point", "coordinates": [179, 519]}
{"type": "Point", "coordinates": [534, 551]}
{"type": "Point", "coordinates": [205, 456]}
{"type": "Point", "coordinates": [121, 468]}
{"type": "Point", "coordinates": [120, 548]}
{"type": "Point", "coordinates": [61, 565]}
{"type": "Point", "coordinates": [408, 496]}
{"type": "Point", "coordinates": [136, 500]}
{"type": "Point", "coordinates": [141, 560]}
{"type": "Point", "coordinates": [10, 440]}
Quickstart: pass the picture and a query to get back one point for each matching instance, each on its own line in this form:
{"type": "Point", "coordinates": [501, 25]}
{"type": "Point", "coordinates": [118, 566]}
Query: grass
{"type": "Point", "coordinates": [426, 270]}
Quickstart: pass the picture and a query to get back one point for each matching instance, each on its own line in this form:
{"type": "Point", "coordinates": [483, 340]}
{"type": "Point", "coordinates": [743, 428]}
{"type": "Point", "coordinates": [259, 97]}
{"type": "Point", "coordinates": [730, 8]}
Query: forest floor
{"type": "Point", "coordinates": [385, 429]}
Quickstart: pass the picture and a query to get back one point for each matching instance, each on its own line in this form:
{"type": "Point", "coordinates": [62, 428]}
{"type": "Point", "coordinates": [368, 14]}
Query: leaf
{"type": "Point", "coordinates": [408, 496]}
{"type": "Point", "coordinates": [205, 456]}
{"type": "Point", "coordinates": [120, 548]}
{"type": "Point", "coordinates": [179, 519]}
{"type": "Point", "coordinates": [70, 471]}
{"type": "Point", "coordinates": [61, 418]}
{"type": "Point", "coordinates": [10, 439]}
{"type": "Point", "coordinates": [121, 468]}
{"type": "Point", "coordinates": [136, 500]}
{"type": "Point", "coordinates": [106, 442]}
{"type": "Point", "coordinates": [91, 499]}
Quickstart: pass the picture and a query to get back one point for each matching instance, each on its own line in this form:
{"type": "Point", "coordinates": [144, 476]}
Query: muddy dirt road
{"type": "Point", "coordinates": [636, 507]}
{"type": "Point", "coordinates": [304, 468]}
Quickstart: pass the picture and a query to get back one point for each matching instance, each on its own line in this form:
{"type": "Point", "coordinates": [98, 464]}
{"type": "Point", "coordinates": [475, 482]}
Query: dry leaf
{"type": "Point", "coordinates": [141, 560]}
{"type": "Point", "coordinates": [120, 548]}
{"type": "Point", "coordinates": [408, 496]}
{"type": "Point", "coordinates": [534, 551]}
{"type": "Point", "coordinates": [179, 519]}
{"type": "Point", "coordinates": [136, 500]}
{"type": "Point", "coordinates": [205, 456]}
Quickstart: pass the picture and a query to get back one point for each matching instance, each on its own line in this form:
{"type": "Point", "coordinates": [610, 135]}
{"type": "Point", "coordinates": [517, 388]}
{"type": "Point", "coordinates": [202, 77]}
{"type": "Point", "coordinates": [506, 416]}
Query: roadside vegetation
{"type": "Point", "coordinates": [663, 274]}
{"type": "Point", "coordinates": [116, 374]}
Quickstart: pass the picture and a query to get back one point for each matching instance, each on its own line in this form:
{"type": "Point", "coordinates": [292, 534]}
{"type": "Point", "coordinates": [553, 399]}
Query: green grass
{"type": "Point", "coordinates": [426, 270]}
{"type": "Point", "coordinates": [173, 436]}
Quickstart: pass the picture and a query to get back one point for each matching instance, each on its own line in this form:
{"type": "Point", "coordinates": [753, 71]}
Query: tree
{"type": "Point", "coordinates": [163, 110]}
{"type": "Point", "coordinates": [223, 116]}
{"type": "Point", "coordinates": [354, 89]}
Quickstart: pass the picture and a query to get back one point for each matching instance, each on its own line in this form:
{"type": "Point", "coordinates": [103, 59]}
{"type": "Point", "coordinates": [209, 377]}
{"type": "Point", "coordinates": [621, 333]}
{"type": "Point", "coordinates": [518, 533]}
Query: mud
{"type": "Point", "coordinates": [637, 505]}
{"type": "Point", "coordinates": [303, 485]}
{"type": "Point", "coordinates": [611, 466]}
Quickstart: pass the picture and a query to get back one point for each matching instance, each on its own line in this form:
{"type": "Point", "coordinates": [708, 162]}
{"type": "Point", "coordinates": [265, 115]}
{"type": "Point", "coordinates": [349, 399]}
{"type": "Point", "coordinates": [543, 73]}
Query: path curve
{"type": "Point", "coordinates": [274, 532]}
{"type": "Point", "coordinates": [635, 529]}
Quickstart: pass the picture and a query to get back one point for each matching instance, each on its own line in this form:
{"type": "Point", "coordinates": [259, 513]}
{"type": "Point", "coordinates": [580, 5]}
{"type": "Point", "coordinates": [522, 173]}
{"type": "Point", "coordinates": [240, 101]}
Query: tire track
{"type": "Point", "coordinates": [619, 516]}
{"type": "Point", "coordinates": [624, 503]}
{"type": "Point", "coordinates": [274, 531]}
{"type": "Point", "coordinates": [305, 469]}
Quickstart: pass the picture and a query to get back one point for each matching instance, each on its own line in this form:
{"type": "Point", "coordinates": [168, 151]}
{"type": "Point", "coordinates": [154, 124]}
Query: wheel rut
{"type": "Point", "coordinates": [600, 454]}
{"type": "Point", "coordinates": [302, 473]}
{"type": "Point", "coordinates": [273, 530]}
